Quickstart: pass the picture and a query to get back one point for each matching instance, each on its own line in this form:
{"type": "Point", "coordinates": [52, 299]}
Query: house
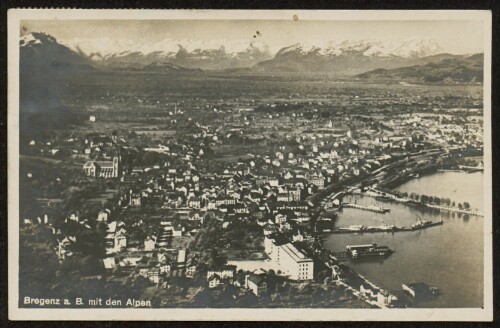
{"type": "Point", "coordinates": [135, 199]}
{"type": "Point", "coordinates": [194, 202]}
{"type": "Point", "coordinates": [298, 237]}
{"type": "Point", "coordinates": [149, 244]}
{"type": "Point", "coordinates": [103, 216]}
{"type": "Point", "coordinates": [318, 181]}
{"type": "Point", "coordinates": [225, 272]}
{"type": "Point", "coordinates": [257, 284]}
{"type": "Point", "coordinates": [280, 218]}
{"type": "Point", "coordinates": [269, 229]}
{"type": "Point", "coordinates": [285, 226]}
{"type": "Point", "coordinates": [109, 263]}
{"type": "Point", "coordinates": [153, 275]}
{"type": "Point", "coordinates": [120, 240]}
{"type": "Point", "coordinates": [380, 297]}
{"type": "Point", "coordinates": [73, 217]}
{"type": "Point", "coordinates": [191, 268]}
{"type": "Point", "coordinates": [196, 217]}
{"type": "Point", "coordinates": [282, 197]}
{"type": "Point", "coordinates": [177, 231]}
{"type": "Point", "coordinates": [214, 281]}
{"type": "Point", "coordinates": [181, 257]}
{"type": "Point", "coordinates": [129, 261]}
{"type": "Point", "coordinates": [165, 268]}
{"type": "Point", "coordinates": [142, 270]}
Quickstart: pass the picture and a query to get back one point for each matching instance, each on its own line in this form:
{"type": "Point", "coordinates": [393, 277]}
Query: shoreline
{"type": "Point", "coordinates": [348, 187]}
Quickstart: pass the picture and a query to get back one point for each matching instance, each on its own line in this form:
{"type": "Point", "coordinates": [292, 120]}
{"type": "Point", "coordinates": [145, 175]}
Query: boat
{"type": "Point", "coordinates": [386, 227]}
{"type": "Point", "coordinates": [379, 209]}
{"type": "Point", "coordinates": [421, 224]}
{"type": "Point", "coordinates": [359, 251]}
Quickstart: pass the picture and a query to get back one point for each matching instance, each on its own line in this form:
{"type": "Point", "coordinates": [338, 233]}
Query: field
{"type": "Point", "coordinates": [143, 101]}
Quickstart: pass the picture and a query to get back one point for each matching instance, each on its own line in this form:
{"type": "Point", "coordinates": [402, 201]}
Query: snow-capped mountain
{"type": "Point", "coordinates": [222, 53]}
{"type": "Point", "coordinates": [337, 57]}
{"type": "Point", "coordinates": [212, 54]}
{"type": "Point", "coordinates": [412, 48]}
{"type": "Point", "coordinates": [350, 57]}
{"type": "Point", "coordinates": [43, 50]}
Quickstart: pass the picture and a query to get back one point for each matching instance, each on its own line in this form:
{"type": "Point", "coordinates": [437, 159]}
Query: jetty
{"type": "Point", "coordinates": [384, 228]}
{"type": "Point", "coordinates": [371, 208]}
{"type": "Point", "coordinates": [471, 169]}
{"type": "Point", "coordinates": [455, 210]}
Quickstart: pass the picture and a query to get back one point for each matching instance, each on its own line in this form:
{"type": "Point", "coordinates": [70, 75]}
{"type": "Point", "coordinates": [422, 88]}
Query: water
{"type": "Point", "coordinates": [449, 256]}
{"type": "Point", "coordinates": [457, 186]}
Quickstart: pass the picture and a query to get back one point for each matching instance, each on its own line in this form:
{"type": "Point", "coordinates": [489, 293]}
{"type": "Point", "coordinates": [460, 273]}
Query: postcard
{"type": "Point", "coordinates": [249, 165]}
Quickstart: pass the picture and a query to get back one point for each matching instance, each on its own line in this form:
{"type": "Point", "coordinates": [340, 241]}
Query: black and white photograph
{"type": "Point", "coordinates": [210, 165]}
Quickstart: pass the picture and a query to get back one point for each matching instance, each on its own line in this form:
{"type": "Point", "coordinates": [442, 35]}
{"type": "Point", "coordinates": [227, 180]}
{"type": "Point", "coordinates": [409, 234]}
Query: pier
{"type": "Point", "coordinates": [470, 169]}
{"type": "Point", "coordinates": [455, 210]}
{"type": "Point", "coordinates": [371, 208]}
{"type": "Point", "coordinates": [363, 229]}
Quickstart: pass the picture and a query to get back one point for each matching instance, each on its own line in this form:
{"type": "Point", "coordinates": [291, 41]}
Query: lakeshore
{"type": "Point", "coordinates": [426, 255]}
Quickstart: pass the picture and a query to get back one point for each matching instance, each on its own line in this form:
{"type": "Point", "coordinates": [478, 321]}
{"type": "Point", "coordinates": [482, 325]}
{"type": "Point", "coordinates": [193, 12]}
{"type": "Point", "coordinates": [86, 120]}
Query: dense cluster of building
{"type": "Point", "coordinates": [270, 188]}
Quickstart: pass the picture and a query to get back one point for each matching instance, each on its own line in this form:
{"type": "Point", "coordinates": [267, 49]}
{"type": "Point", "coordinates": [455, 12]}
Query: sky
{"type": "Point", "coordinates": [457, 37]}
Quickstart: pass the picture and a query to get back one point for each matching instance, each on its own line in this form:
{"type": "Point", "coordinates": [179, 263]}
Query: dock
{"type": "Point", "coordinates": [363, 229]}
{"type": "Point", "coordinates": [371, 208]}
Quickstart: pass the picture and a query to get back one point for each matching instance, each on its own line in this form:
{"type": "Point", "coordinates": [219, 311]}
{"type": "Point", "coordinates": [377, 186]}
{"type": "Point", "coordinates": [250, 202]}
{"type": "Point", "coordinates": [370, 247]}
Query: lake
{"type": "Point", "coordinates": [449, 256]}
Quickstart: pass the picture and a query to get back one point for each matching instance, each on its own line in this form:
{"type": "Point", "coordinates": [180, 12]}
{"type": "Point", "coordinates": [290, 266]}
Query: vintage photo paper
{"type": "Point", "coordinates": [249, 165]}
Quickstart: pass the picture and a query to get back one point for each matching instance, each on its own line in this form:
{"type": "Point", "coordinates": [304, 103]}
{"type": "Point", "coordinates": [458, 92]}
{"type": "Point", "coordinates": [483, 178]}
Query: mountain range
{"type": "Point", "coordinates": [345, 58]}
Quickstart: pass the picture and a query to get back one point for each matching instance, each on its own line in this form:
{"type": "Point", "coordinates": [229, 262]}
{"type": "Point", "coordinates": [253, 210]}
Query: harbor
{"type": "Point", "coordinates": [422, 253]}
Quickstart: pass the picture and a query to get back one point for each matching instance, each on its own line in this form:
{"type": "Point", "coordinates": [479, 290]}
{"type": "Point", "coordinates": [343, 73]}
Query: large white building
{"type": "Point", "coordinates": [289, 260]}
{"type": "Point", "coordinates": [102, 169]}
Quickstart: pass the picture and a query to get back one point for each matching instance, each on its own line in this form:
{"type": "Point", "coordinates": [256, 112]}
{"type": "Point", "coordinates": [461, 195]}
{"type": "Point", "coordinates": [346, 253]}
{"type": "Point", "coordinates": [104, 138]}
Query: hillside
{"type": "Point", "coordinates": [464, 70]}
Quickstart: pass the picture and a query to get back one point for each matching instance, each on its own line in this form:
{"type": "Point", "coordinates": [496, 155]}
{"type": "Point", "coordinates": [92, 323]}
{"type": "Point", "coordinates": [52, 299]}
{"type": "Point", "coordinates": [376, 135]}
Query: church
{"type": "Point", "coordinates": [102, 169]}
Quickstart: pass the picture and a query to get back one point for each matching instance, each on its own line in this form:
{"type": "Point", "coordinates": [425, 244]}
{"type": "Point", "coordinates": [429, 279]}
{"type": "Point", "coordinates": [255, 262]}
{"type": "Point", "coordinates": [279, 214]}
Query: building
{"type": "Point", "coordinates": [289, 260]}
{"type": "Point", "coordinates": [165, 268]}
{"type": "Point", "coordinates": [256, 284]}
{"type": "Point", "coordinates": [181, 258]}
{"type": "Point", "coordinates": [102, 169]}
{"type": "Point", "coordinates": [226, 272]}
{"type": "Point", "coordinates": [103, 216]}
{"type": "Point", "coordinates": [214, 281]}
{"type": "Point", "coordinates": [149, 244]}
{"type": "Point", "coordinates": [120, 240]}
{"type": "Point", "coordinates": [194, 202]}
{"type": "Point", "coordinates": [191, 268]}
{"type": "Point", "coordinates": [135, 199]}
{"type": "Point", "coordinates": [154, 275]}
{"type": "Point", "coordinates": [317, 181]}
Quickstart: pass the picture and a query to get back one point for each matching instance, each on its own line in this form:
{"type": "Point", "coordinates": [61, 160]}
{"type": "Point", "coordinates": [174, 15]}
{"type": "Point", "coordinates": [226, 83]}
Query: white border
{"type": "Point", "coordinates": [15, 313]}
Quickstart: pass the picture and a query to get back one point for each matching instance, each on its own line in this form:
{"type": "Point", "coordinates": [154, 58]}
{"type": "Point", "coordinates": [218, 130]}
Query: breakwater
{"type": "Point", "coordinates": [401, 199]}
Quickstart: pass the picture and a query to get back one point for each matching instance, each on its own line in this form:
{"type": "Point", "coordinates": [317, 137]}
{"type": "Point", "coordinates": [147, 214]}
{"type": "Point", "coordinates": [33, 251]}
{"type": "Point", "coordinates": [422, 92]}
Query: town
{"type": "Point", "coordinates": [223, 204]}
